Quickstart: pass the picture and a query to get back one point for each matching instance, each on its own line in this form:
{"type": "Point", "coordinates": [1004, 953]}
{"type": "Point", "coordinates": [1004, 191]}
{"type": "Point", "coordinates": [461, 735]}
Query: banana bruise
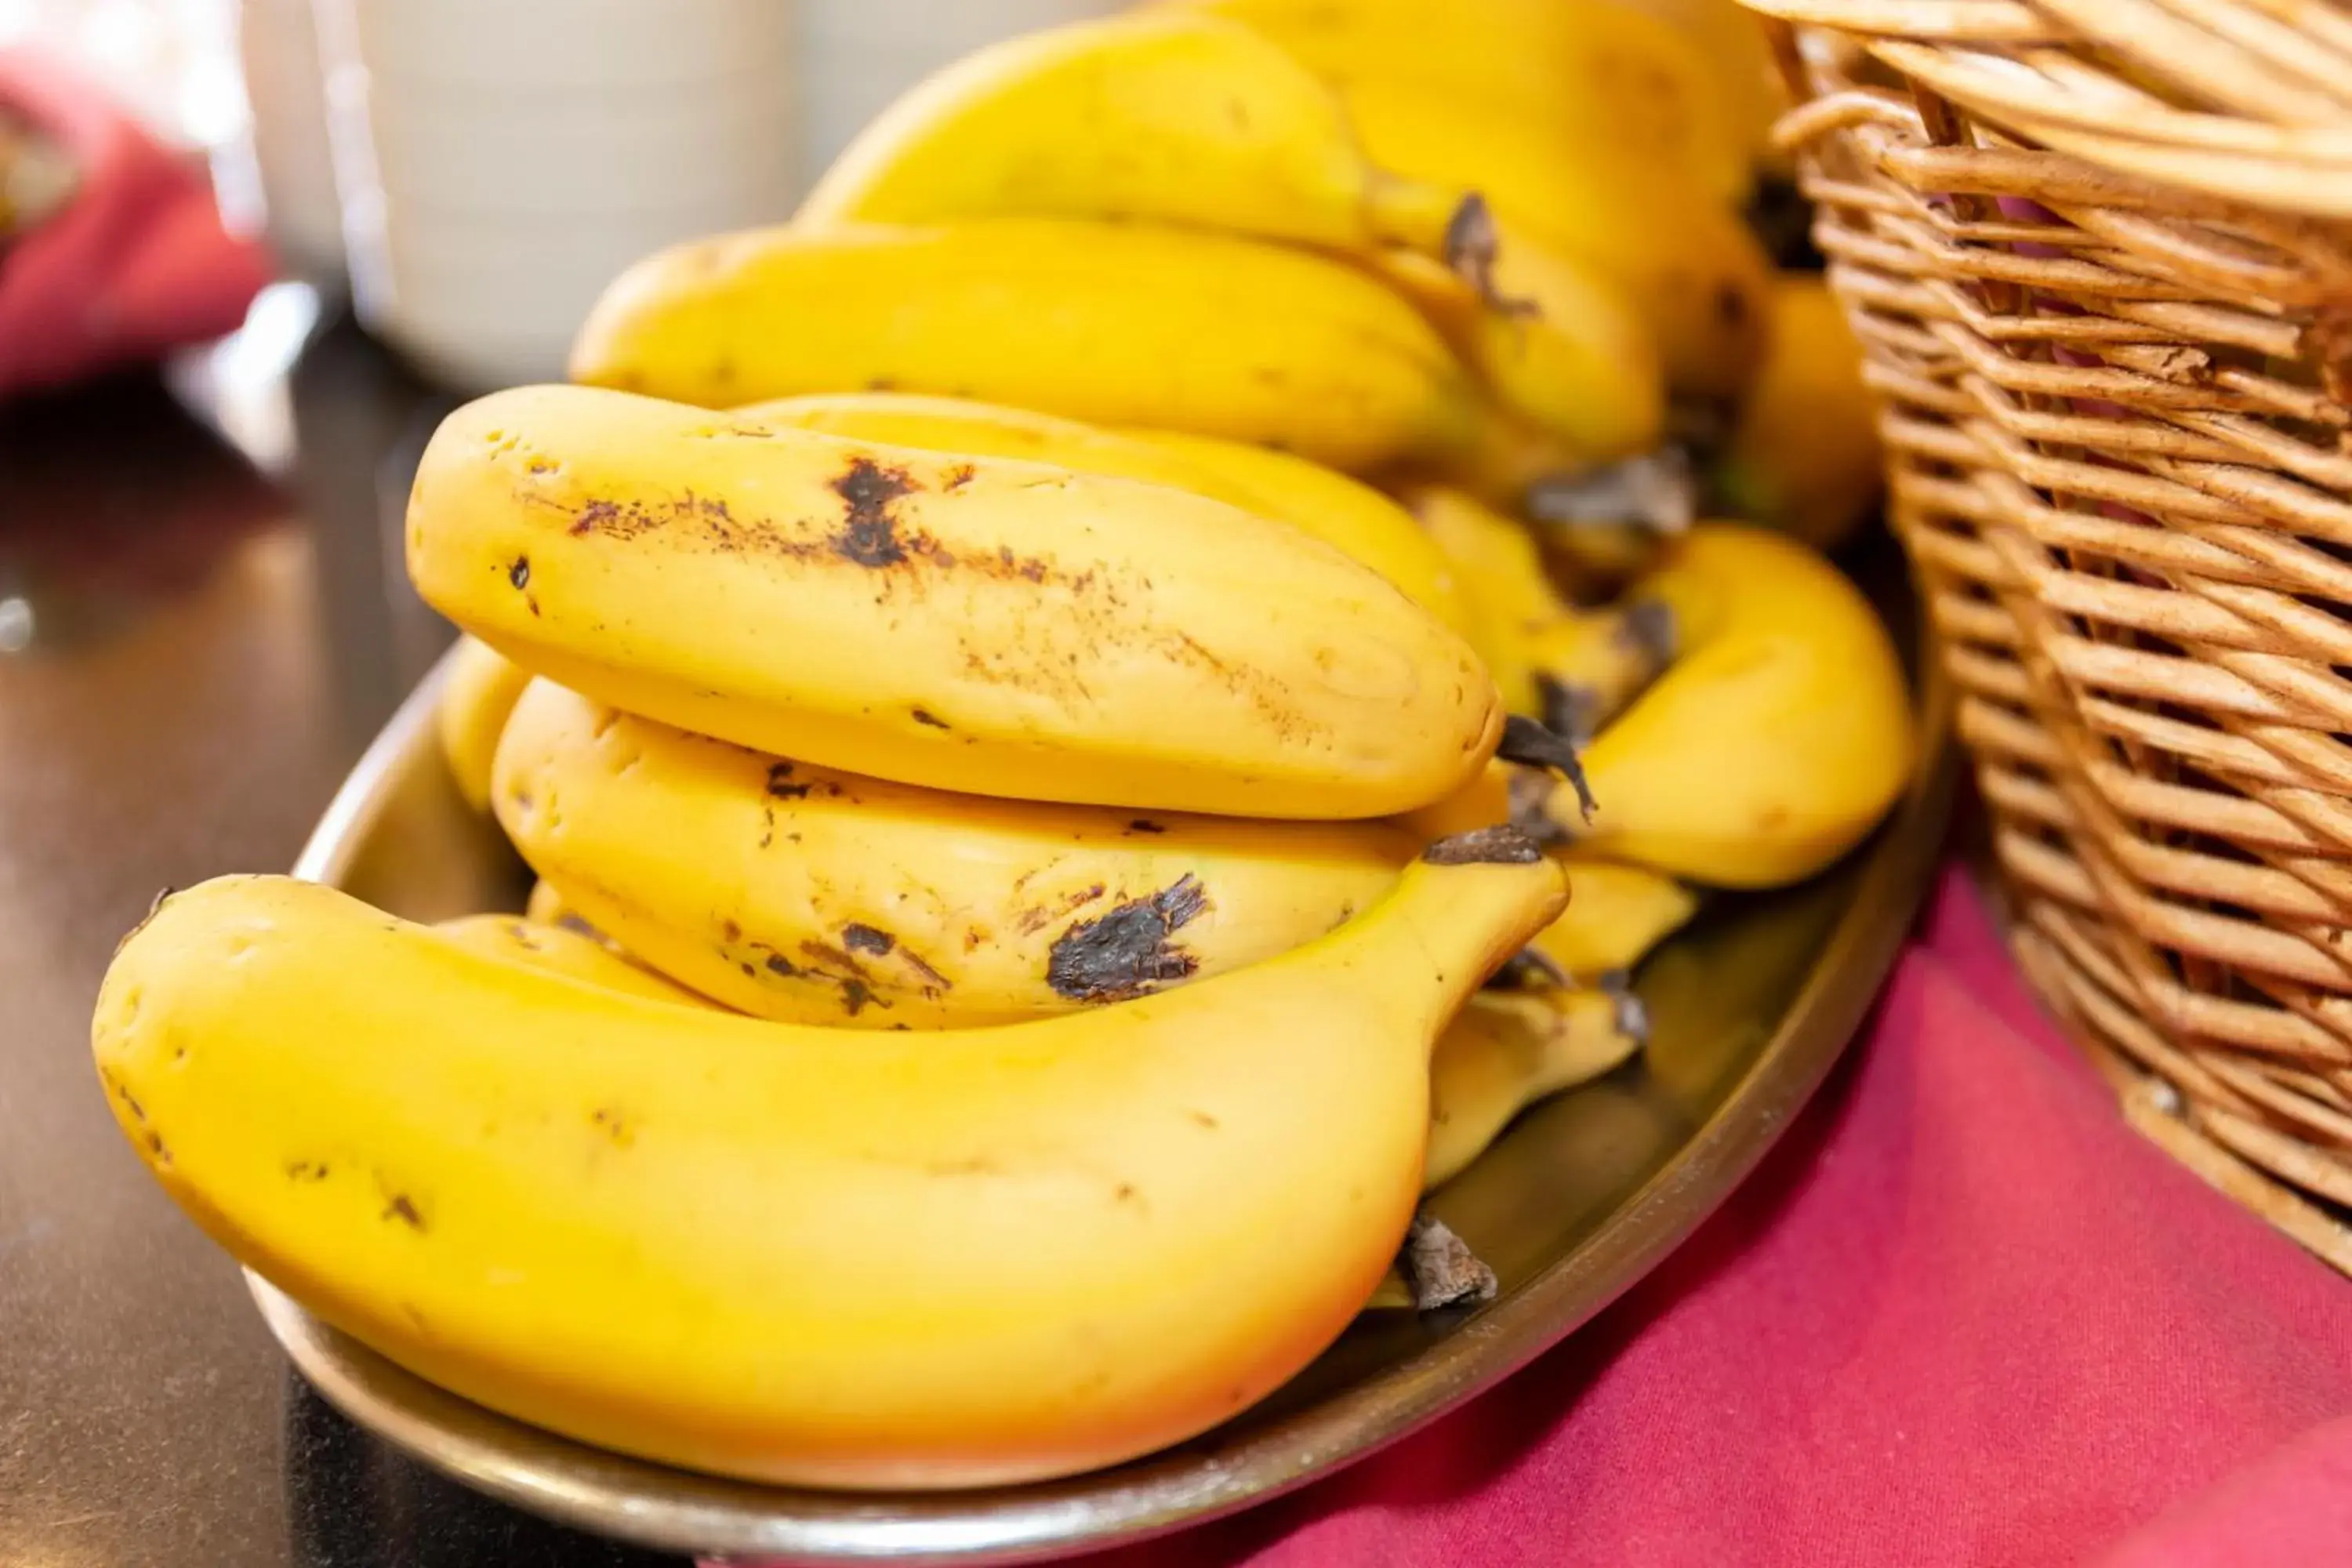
{"type": "Point", "coordinates": [1777, 740]}
{"type": "Point", "coordinates": [1167, 117]}
{"type": "Point", "coordinates": [1339, 511]}
{"type": "Point", "coordinates": [987, 626]}
{"type": "Point", "coordinates": [476, 695]}
{"type": "Point", "coordinates": [1115, 323]}
{"type": "Point", "coordinates": [793, 891]}
{"type": "Point", "coordinates": [802, 1256]}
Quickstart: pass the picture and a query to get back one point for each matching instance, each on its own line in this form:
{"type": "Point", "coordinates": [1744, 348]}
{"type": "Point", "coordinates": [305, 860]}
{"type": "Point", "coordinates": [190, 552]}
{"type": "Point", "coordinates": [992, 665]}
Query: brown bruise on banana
{"type": "Point", "coordinates": [1126, 952]}
{"type": "Point", "coordinates": [873, 537]}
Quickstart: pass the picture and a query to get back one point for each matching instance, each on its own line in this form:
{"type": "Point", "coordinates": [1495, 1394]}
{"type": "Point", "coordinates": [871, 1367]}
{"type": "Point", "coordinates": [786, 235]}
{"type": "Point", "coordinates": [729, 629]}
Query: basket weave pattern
{"type": "Point", "coordinates": [2094, 251]}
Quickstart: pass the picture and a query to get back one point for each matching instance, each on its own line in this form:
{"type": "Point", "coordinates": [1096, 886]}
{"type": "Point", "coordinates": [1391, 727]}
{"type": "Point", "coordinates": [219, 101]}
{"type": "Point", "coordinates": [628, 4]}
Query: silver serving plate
{"type": "Point", "coordinates": [1580, 1197]}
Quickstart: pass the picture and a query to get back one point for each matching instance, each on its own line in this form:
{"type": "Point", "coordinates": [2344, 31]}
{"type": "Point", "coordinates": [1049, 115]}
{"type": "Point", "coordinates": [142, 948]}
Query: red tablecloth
{"type": "Point", "coordinates": [1962, 1315]}
{"type": "Point", "coordinates": [135, 264]}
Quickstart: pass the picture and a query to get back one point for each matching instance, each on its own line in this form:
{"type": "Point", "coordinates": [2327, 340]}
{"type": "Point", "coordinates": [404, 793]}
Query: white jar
{"type": "Point", "coordinates": [499, 161]}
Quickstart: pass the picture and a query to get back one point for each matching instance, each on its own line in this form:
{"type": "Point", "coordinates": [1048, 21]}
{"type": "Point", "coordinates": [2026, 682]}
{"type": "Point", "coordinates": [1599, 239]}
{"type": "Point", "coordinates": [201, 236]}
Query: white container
{"type": "Point", "coordinates": [499, 161]}
{"type": "Point", "coordinates": [278, 46]}
{"type": "Point", "coordinates": [859, 55]}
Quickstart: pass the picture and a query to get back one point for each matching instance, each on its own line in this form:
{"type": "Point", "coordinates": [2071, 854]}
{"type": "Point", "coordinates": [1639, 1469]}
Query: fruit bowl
{"type": "Point", "coordinates": [1581, 1196]}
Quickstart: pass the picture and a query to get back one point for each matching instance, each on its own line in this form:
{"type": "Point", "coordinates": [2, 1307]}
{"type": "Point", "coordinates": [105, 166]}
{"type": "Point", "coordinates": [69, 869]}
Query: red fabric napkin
{"type": "Point", "coordinates": [1962, 1315]}
{"type": "Point", "coordinates": [135, 264]}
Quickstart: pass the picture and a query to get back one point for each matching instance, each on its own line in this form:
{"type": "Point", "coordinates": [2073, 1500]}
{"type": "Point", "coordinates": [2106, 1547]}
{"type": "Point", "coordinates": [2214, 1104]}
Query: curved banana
{"type": "Point", "coordinates": [975, 624]}
{"type": "Point", "coordinates": [476, 697]}
{"type": "Point", "coordinates": [1116, 323]}
{"type": "Point", "coordinates": [559, 950]}
{"type": "Point", "coordinates": [1779, 737]}
{"type": "Point", "coordinates": [1505, 1050]}
{"type": "Point", "coordinates": [1690, 266]}
{"type": "Point", "coordinates": [1803, 456]}
{"type": "Point", "coordinates": [802, 1256]}
{"type": "Point", "coordinates": [1560, 344]}
{"type": "Point", "coordinates": [790, 891]}
{"type": "Point", "coordinates": [1576, 668]}
{"type": "Point", "coordinates": [1164, 116]}
{"type": "Point", "coordinates": [1605, 82]}
{"type": "Point", "coordinates": [1330, 505]}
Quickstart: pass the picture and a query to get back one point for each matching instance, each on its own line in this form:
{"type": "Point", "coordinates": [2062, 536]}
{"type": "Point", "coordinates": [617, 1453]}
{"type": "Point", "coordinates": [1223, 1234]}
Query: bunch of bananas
{"type": "Point", "coordinates": [1036, 718]}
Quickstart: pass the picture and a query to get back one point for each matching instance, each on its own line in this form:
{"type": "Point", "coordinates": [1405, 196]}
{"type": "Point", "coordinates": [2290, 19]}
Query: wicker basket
{"type": "Point", "coordinates": [2096, 251]}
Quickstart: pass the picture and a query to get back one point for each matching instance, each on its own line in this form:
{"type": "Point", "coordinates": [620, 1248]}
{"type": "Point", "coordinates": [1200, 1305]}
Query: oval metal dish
{"type": "Point", "coordinates": [1583, 1195]}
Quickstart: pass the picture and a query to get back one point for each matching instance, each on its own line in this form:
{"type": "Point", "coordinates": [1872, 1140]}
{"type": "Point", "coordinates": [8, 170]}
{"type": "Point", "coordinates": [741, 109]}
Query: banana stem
{"type": "Point", "coordinates": [1420, 216]}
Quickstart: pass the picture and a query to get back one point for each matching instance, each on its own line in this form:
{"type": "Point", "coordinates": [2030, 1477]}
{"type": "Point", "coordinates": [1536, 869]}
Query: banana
{"type": "Point", "coordinates": [1560, 345]}
{"type": "Point", "coordinates": [1604, 80]}
{"type": "Point", "coordinates": [1730, 39]}
{"type": "Point", "coordinates": [1116, 323]}
{"type": "Point", "coordinates": [1505, 1050]}
{"type": "Point", "coordinates": [479, 694]}
{"type": "Point", "coordinates": [1334, 508]}
{"type": "Point", "coordinates": [1574, 668]}
{"type": "Point", "coordinates": [1691, 266]}
{"type": "Point", "coordinates": [793, 891]}
{"type": "Point", "coordinates": [1779, 737]}
{"type": "Point", "coordinates": [559, 950]}
{"type": "Point", "coordinates": [1167, 117]}
{"type": "Point", "coordinates": [1803, 456]}
{"type": "Point", "coordinates": [804, 1255]}
{"type": "Point", "coordinates": [1616, 914]}
{"type": "Point", "coordinates": [981, 625]}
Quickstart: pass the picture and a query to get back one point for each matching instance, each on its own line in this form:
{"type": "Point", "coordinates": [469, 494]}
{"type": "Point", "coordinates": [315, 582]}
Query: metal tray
{"type": "Point", "coordinates": [1580, 1197]}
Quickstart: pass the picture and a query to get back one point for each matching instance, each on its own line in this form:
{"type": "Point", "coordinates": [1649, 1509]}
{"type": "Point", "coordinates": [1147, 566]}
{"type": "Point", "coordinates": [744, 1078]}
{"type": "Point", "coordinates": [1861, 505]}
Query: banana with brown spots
{"type": "Point", "coordinates": [983, 624]}
{"type": "Point", "coordinates": [805, 894]}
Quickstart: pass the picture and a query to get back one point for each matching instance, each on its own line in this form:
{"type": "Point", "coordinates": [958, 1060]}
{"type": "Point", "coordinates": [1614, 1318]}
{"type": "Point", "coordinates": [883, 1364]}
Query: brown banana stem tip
{"type": "Point", "coordinates": [1439, 1269]}
{"type": "Point", "coordinates": [1649, 629]}
{"type": "Point", "coordinates": [1472, 243]}
{"type": "Point", "coordinates": [1633, 1012]}
{"type": "Point", "coordinates": [1658, 491]}
{"type": "Point", "coordinates": [1529, 743]}
{"type": "Point", "coordinates": [1570, 708]}
{"type": "Point", "coordinates": [1501, 844]}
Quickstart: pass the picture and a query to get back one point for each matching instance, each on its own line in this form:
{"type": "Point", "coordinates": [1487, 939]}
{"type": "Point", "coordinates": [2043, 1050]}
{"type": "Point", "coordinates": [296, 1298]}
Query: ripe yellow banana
{"type": "Point", "coordinates": [804, 1255]}
{"type": "Point", "coordinates": [1689, 262]}
{"type": "Point", "coordinates": [793, 891]}
{"type": "Point", "coordinates": [1779, 736]}
{"type": "Point", "coordinates": [561, 949]}
{"type": "Point", "coordinates": [1505, 1050]}
{"type": "Point", "coordinates": [1559, 344]}
{"type": "Point", "coordinates": [480, 692]}
{"type": "Point", "coordinates": [1116, 323]}
{"type": "Point", "coordinates": [1169, 117]}
{"type": "Point", "coordinates": [1334, 508]}
{"type": "Point", "coordinates": [1803, 456]}
{"type": "Point", "coordinates": [1575, 668]}
{"type": "Point", "coordinates": [1605, 82]}
{"type": "Point", "coordinates": [983, 624]}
